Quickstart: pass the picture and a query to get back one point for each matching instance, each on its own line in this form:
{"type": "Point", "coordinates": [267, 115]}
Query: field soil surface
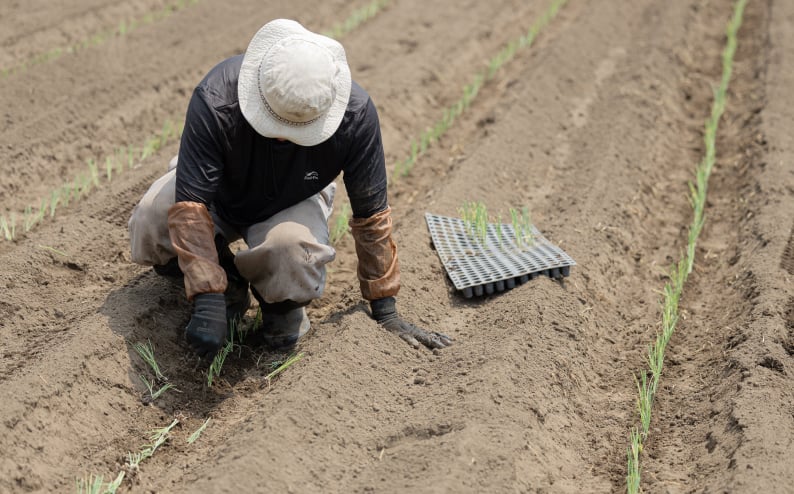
{"type": "Point", "coordinates": [596, 128]}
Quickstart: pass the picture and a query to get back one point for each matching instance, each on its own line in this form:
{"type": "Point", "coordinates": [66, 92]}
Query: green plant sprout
{"type": "Point", "coordinates": [54, 250]}
{"type": "Point", "coordinates": [679, 272]}
{"type": "Point", "coordinates": [55, 197]}
{"type": "Point", "coordinates": [644, 400]}
{"type": "Point", "coordinates": [635, 448]}
{"type": "Point", "coordinates": [193, 437]}
{"type": "Point", "coordinates": [8, 227]}
{"type": "Point", "coordinates": [158, 438]}
{"type": "Point", "coordinates": [476, 220]}
{"type": "Point", "coordinates": [29, 219]}
{"type": "Point", "coordinates": [217, 362]}
{"type": "Point", "coordinates": [154, 394]}
{"type": "Point", "coordinates": [257, 320]}
{"type": "Point", "coordinates": [91, 485]}
{"type": "Point", "coordinates": [130, 158]}
{"type": "Point", "coordinates": [33, 216]}
{"type": "Point", "coordinates": [522, 227]}
{"type": "Point", "coordinates": [340, 228]}
{"type": "Point", "coordinates": [134, 459]}
{"type": "Point", "coordinates": [108, 168]}
{"type": "Point", "coordinates": [475, 217]}
{"type": "Point", "coordinates": [150, 147]}
{"type": "Point", "coordinates": [146, 351]}
{"type": "Point", "coordinates": [282, 367]}
{"type": "Point", "coordinates": [95, 485]}
{"type": "Point", "coordinates": [499, 233]}
{"type": "Point", "coordinates": [94, 170]}
{"type": "Point", "coordinates": [65, 195]}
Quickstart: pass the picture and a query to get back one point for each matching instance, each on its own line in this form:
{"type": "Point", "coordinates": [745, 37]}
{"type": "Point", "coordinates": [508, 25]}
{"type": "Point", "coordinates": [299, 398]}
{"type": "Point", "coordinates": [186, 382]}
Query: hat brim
{"type": "Point", "coordinates": [252, 106]}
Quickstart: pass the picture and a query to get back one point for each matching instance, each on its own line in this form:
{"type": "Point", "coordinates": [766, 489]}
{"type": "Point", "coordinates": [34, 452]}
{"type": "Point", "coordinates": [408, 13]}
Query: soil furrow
{"type": "Point", "coordinates": [726, 410]}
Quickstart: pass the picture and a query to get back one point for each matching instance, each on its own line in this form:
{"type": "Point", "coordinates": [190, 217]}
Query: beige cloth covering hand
{"type": "Point", "coordinates": [193, 238]}
{"type": "Point", "coordinates": [378, 268]}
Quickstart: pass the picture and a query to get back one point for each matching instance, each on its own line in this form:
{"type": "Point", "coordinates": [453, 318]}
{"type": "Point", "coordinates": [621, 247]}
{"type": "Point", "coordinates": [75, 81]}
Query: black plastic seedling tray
{"type": "Point", "coordinates": [481, 268]}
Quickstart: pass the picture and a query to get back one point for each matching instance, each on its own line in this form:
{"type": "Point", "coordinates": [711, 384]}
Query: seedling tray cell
{"type": "Point", "coordinates": [479, 268]}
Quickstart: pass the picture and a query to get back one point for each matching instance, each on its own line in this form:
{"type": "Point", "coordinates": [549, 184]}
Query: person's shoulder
{"type": "Point", "coordinates": [359, 100]}
{"type": "Point", "coordinates": [219, 86]}
{"type": "Point", "coordinates": [361, 117]}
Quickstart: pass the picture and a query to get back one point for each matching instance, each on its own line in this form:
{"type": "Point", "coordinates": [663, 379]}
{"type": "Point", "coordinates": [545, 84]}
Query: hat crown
{"type": "Point", "coordinates": [296, 80]}
{"type": "Point", "coordinates": [294, 84]}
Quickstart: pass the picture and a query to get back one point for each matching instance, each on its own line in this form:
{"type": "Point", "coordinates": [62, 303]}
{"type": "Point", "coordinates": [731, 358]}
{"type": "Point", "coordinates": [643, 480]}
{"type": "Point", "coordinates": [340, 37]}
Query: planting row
{"type": "Point", "coordinates": [648, 381]}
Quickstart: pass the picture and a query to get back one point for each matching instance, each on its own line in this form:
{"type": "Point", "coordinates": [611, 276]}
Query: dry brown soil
{"type": "Point", "coordinates": [597, 128]}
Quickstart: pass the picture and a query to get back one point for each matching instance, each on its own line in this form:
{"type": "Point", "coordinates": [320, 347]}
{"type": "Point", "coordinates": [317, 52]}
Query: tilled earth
{"type": "Point", "coordinates": [597, 129]}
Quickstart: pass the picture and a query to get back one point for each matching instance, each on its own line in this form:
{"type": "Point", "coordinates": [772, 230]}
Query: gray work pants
{"type": "Point", "coordinates": [286, 254]}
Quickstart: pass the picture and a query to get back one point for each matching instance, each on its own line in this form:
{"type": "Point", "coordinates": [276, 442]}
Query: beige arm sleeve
{"type": "Point", "coordinates": [193, 238]}
{"type": "Point", "coordinates": [378, 269]}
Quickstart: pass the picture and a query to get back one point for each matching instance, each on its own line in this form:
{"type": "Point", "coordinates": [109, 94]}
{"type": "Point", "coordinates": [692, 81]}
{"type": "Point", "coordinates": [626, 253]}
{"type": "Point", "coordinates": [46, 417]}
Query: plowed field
{"type": "Point", "coordinates": [597, 128]}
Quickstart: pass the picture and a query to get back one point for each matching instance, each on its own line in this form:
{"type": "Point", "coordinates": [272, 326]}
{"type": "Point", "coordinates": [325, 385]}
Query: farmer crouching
{"type": "Point", "coordinates": [266, 134]}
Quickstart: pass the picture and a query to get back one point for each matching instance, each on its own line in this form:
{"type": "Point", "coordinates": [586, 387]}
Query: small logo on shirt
{"type": "Point", "coordinates": [311, 176]}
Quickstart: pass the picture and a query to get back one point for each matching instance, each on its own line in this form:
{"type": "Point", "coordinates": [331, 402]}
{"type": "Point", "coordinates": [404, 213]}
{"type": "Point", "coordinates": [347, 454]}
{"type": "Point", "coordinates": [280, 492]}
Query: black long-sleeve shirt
{"type": "Point", "coordinates": [247, 178]}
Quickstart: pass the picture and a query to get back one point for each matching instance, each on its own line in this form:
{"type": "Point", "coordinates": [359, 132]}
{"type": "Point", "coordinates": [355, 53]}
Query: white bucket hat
{"type": "Point", "coordinates": [294, 84]}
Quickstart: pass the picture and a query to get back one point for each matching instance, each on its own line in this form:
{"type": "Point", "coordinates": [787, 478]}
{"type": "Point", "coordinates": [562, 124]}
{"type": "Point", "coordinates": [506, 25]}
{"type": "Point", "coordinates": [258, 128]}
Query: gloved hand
{"type": "Point", "coordinates": [384, 311]}
{"type": "Point", "coordinates": [206, 331]}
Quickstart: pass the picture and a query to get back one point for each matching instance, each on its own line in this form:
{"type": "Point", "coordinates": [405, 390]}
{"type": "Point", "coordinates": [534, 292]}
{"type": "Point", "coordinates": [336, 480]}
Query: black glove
{"type": "Point", "coordinates": [206, 331]}
{"type": "Point", "coordinates": [384, 311]}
